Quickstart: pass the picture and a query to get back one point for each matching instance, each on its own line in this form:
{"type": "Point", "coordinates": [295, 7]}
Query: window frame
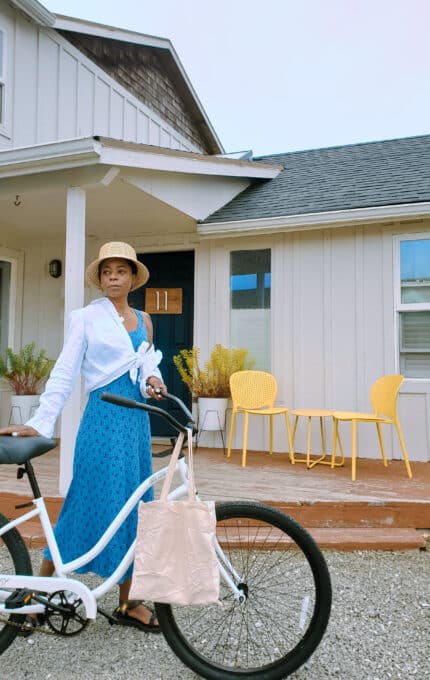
{"type": "Point", "coordinates": [252, 246]}
{"type": "Point", "coordinates": [16, 260]}
{"type": "Point", "coordinates": [4, 108]}
{"type": "Point", "coordinates": [399, 306]}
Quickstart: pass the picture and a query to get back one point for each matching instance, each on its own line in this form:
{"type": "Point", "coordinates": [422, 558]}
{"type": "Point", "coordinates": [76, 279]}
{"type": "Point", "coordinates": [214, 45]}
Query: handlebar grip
{"type": "Point", "coordinates": [120, 401]}
{"type": "Point", "coordinates": [155, 410]}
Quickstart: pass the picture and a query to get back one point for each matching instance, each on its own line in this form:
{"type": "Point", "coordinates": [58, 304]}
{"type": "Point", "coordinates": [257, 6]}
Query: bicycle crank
{"type": "Point", "coordinates": [63, 615]}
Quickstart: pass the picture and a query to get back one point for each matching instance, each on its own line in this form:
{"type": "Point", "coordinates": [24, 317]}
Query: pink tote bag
{"type": "Point", "coordinates": [175, 560]}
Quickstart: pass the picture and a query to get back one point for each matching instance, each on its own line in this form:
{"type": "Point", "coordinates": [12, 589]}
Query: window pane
{"type": "Point", "coordinates": [5, 268]}
{"type": "Point", "coordinates": [250, 279]}
{"type": "Point", "coordinates": [415, 331]}
{"type": "Point", "coordinates": [1, 53]}
{"type": "Point", "coordinates": [415, 344]}
{"type": "Point", "coordinates": [250, 282]}
{"type": "Point", "coordinates": [415, 271]}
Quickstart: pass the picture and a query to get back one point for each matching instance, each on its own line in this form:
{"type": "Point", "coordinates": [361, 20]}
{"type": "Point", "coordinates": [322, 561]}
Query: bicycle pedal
{"type": "Point", "coordinates": [112, 620]}
{"type": "Point", "coordinates": [19, 598]}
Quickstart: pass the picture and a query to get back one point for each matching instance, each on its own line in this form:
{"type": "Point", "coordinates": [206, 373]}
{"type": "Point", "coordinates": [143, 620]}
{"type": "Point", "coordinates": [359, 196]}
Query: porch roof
{"type": "Point", "coordinates": [320, 186]}
{"type": "Point", "coordinates": [103, 150]}
{"type": "Point", "coordinates": [144, 188]}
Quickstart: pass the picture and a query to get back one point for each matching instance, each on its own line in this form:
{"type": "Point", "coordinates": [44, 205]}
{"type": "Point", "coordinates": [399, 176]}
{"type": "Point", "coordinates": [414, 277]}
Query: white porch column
{"type": "Point", "coordinates": [73, 299]}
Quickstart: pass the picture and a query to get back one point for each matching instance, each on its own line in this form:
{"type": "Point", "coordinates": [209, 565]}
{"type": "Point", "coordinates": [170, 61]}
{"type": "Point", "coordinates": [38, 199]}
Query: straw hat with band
{"type": "Point", "coordinates": [121, 250]}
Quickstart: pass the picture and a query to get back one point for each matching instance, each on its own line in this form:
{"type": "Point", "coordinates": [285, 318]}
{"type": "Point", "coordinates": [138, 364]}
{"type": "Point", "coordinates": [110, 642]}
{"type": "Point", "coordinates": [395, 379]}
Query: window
{"type": "Point", "coordinates": [413, 306]}
{"type": "Point", "coordinates": [250, 282]}
{"type": "Point", "coordinates": [5, 296]}
{"type": "Point", "coordinates": [2, 77]}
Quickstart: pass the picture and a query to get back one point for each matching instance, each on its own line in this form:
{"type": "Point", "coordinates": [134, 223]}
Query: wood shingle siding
{"type": "Point", "coordinates": [141, 71]}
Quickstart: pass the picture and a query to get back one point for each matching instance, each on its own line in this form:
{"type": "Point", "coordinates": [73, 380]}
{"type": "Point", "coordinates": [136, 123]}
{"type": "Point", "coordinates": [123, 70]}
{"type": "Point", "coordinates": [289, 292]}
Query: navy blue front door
{"type": "Point", "coordinates": [172, 332]}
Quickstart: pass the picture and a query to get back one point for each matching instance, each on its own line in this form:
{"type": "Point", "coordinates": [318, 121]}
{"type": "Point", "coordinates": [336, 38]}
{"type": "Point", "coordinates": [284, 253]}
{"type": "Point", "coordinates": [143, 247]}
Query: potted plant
{"type": "Point", "coordinates": [25, 372]}
{"type": "Point", "coordinates": [212, 382]}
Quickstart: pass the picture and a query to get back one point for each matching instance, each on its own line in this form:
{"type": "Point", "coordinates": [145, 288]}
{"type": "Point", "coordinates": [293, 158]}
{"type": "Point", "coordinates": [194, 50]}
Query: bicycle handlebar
{"type": "Point", "coordinates": [156, 410]}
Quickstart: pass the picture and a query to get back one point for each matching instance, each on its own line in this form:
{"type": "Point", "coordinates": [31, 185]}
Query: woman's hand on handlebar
{"type": "Point", "coordinates": [20, 431]}
{"type": "Point", "coordinates": [155, 387]}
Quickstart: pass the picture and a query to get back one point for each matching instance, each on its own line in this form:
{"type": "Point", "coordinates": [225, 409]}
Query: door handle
{"type": "Point", "coordinates": [157, 300]}
{"type": "Point", "coordinates": [165, 300]}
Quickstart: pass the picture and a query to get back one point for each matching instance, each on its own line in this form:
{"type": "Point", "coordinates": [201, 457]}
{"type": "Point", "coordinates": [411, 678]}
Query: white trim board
{"type": "Point", "coordinates": [90, 150]}
{"type": "Point", "coordinates": [331, 218]}
{"type": "Point", "coordinates": [37, 12]}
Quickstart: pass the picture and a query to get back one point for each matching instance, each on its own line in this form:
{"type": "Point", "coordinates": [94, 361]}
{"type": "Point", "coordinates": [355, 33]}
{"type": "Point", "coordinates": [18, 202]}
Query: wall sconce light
{"type": "Point", "coordinates": [55, 269]}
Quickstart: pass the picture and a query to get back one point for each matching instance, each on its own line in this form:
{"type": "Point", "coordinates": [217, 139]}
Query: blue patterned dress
{"type": "Point", "coordinates": [112, 457]}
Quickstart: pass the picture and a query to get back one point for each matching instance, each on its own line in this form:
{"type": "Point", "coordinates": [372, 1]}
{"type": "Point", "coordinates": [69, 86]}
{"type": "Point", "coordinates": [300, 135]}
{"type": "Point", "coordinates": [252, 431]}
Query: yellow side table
{"type": "Point", "coordinates": [310, 413]}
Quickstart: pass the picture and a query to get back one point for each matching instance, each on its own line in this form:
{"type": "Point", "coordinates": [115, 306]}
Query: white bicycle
{"type": "Point", "coordinates": [275, 585]}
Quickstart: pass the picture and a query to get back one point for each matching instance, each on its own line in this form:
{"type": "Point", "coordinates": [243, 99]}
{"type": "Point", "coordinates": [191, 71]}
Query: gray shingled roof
{"type": "Point", "coordinates": [337, 178]}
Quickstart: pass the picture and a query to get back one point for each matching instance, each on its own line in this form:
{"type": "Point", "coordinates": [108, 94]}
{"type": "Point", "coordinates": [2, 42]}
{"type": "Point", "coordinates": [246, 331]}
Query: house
{"type": "Point", "coordinates": [305, 258]}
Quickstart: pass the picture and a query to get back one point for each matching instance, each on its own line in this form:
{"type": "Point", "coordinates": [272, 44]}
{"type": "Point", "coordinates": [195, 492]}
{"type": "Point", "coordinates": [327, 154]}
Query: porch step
{"type": "Point", "coordinates": [338, 526]}
{"type": "Point", "coordinates": [345, 539]}
{"type": "Point", "coordinates": [350, 539]}
{"type": "Point", "coordinates": [359, 514]}
{"type": "Point", "coordinates": [318, 514]}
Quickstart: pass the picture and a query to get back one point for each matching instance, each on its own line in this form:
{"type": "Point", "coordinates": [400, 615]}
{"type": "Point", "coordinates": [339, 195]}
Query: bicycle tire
{"type": "Point", "coordinates": [14, 559]}
{"type": "Point", "coordinates": [287, 607]}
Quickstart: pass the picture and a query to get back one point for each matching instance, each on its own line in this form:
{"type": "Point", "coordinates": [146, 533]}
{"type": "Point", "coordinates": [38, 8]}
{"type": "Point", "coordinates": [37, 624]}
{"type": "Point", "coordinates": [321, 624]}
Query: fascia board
{"type": "Point", "coordinates": [196, 164]}
{"type": "Point", "coordinates": [195, 97]}
{"type": "Point", "coordinates": [333, 218]}
{"type": "Point", "coordinates": [37, 12]}
{"type": "Point", "coordinates": [48, 157]}
{"type": "Point", "coordinates": [65, 23]}
{"type": "Point", "coordinates": [85, 151]}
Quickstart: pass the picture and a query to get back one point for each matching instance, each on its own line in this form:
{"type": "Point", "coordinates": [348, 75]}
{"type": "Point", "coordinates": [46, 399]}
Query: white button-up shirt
{"type": "Point", "coordinates": [97, 346]}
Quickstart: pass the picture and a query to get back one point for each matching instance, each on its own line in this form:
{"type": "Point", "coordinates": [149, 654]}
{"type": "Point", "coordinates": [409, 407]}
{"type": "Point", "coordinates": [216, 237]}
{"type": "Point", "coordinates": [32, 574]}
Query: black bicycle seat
{"type": "Point", "coordinates": [17, 450]}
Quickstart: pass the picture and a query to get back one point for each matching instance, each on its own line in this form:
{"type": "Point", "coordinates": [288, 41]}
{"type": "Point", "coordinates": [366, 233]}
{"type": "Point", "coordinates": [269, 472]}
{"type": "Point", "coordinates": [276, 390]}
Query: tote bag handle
{"type": "Point", "coordinates": [172, 465]}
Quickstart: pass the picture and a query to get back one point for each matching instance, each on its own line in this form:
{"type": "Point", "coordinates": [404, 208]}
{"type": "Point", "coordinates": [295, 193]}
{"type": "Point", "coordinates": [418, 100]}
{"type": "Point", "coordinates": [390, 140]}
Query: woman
{"type": "Point", "coordinates": [110, 344]}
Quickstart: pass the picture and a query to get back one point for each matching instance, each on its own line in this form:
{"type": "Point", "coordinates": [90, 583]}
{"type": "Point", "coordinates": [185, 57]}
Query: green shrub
{"type": "Point", "coordinates": [213, 380]}
{"type": "Point", "coordinates": [24, 370]}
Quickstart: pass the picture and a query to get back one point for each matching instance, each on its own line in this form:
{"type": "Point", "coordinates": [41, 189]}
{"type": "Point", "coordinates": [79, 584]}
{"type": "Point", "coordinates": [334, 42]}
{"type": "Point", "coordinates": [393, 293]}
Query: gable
{"type": "Point", "coordinates": [148, 73]}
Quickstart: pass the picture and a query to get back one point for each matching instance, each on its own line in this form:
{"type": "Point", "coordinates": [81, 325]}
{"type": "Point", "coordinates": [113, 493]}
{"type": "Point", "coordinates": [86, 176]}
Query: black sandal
{"type": "Point", "coordinates": [124, 619]}
{"type": "Point", "coordinates": [30, 624]}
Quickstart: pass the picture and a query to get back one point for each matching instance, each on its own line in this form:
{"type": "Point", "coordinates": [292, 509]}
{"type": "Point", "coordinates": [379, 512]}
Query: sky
{"type": "Point", "coordinates": [285, 75]}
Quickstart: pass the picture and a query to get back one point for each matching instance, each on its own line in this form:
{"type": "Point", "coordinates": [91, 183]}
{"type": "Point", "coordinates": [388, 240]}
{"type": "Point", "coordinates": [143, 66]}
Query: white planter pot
{"type": "Point", "coordinates": [195, 413]}
{"type": "Point", "coordinates": [212, 413]}
{"type": "Point", "coordinates": [22, 407]}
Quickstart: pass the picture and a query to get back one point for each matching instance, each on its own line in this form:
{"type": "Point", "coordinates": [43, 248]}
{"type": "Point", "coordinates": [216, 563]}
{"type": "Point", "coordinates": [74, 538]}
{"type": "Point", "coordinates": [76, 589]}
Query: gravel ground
{"type": "Point", "coordinates": [379, 630]}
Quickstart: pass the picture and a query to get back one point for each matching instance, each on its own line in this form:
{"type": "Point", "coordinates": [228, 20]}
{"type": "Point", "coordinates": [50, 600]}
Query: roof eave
{"type": "Point", "coordinates": [48, 157]}
{"type": "Point", "coordinates": [144, 156]}
{"type": "Point", "coordinates": [90, 151]}
{"type": "Point", "coordinates": [37, 12]}
{"type": "Point", "coordinates": [319, 220]}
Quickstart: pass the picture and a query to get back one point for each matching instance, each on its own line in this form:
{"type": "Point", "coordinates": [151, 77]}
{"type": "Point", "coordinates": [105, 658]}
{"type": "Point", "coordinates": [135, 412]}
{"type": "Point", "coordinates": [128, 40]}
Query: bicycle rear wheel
{"type": "Point", "coordinates": [287, 607]}
{"type": "Point", "coordinates": [14, 559]}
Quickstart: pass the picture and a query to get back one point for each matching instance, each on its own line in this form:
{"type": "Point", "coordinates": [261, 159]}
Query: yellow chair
{"type": "Point", "coordinates": [383, 397]}
{"type": "Point", "coordinates": [254, 393]}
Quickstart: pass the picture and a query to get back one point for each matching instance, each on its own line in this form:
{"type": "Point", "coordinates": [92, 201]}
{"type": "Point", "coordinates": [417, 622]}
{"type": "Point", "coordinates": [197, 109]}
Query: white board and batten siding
{"type": "Point", "coordinates": [54, 92]}
{"type": "Point", "coordinates": [333, 328]}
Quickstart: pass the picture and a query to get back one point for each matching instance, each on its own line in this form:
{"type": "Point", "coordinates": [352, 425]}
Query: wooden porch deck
{"type": "Point", "coordinates": [382, 509]}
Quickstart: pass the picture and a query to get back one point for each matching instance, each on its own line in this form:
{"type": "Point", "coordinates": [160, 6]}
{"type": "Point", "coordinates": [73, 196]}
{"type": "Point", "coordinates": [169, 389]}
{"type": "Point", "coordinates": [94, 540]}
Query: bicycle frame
{"type": "Point", "coordinates": [89, 596]}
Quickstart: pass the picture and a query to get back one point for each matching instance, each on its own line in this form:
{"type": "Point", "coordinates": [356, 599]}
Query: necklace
{"type": "Point", "coordinates": [123, 318]}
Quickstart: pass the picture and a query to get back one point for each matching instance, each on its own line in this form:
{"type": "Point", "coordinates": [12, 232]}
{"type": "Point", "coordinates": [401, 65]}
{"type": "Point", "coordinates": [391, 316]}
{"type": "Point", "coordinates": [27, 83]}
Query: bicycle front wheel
{"type": "Point", "coordinates": [283, 616]}
{"type": "Point", "coordinates": [14, 559]}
